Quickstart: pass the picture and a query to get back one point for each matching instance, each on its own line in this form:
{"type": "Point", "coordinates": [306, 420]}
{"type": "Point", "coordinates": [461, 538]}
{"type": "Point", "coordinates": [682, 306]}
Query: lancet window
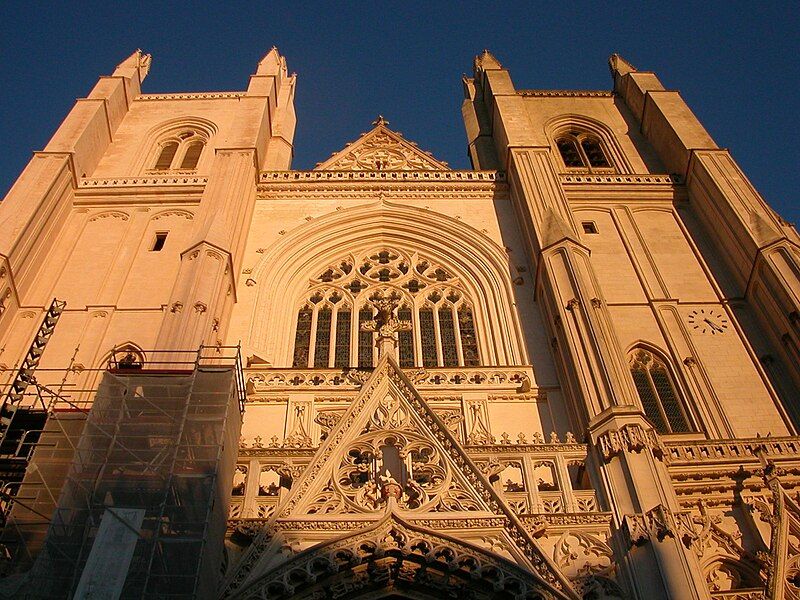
{"type": "Point", "coordinates": [582, 151]}
{"type": "Point", "coordinates": [329, 330]}
{"type": "Point", "coordinates": [659, 393]}
{"type": "Point", "coordinates": [180, 151]}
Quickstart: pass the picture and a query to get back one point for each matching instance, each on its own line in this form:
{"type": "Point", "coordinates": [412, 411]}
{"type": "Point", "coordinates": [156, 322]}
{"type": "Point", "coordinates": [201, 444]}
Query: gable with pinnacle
{"type": "Point", "coordinates": [382, 149]}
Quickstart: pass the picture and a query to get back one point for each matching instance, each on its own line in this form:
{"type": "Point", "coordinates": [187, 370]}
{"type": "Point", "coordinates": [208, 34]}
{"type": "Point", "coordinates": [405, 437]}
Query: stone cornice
{"type": "Point", "coordinates": [566, 93]}
{"type": "Point", "coordinates": [407, 176]}
{"type": "Point", "coordinates": [108, 189]}
{"type": "Point", "coordinates": [191, 96]}
{"type": "Point", "coordinates": [594, 187]}
{"type": "Point", "coordinates": [618, 179]}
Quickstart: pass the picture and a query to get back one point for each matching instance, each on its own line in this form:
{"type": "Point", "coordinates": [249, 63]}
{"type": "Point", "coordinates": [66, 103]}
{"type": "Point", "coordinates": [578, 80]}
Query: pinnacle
{"type": "Point", "coordinates": [617, 64]}
{"type": "Point", "coordinates": [487, 60]}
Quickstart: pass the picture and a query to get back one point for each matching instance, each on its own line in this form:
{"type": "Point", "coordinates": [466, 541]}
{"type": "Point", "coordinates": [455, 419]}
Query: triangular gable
{"type": "Point", "coordinates": [381, 150]}
{"type": "Point", "coordinates": [389, 409]}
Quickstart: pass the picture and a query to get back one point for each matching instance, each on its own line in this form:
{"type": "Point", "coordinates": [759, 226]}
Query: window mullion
{"type": "Point", "coordinates": [312, 344]}
{"type": "Point", "coordinates": [584, 157]}
{"type": "Point", "coordinates": [437, 336]}
{"type": "Point", "coordinates": [417, 331]}
{"type": "Point", "coordinates": [332, 340]}
{"type": "Point", "coordinates": [457, 332]}
{"type": "Point", "coordinates": [354, 325]}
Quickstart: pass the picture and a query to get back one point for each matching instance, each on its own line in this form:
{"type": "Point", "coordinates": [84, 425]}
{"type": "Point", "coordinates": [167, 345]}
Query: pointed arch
{"type": "Point", "coordinates": [456, 566]}
{"type": "Point", "coordinates": [586, 125]}
{"type": "Point", "coordinates": [480, 264]}
{"type": "Point", "coordinates": [127, 355]}
{"type": "Point", "coordinates": [663, 398]}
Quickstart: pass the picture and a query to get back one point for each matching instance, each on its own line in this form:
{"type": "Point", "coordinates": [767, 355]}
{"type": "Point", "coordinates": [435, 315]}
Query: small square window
{"type": "Point", "coordinates": [158, 243]}
{"type": "Point", "coordinates": [589, 227]}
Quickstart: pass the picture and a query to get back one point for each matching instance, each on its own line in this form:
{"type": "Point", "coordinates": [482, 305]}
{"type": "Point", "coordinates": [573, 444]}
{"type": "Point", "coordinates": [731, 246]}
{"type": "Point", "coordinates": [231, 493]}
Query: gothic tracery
{"type": "Point", "coordinates": [330, 331]}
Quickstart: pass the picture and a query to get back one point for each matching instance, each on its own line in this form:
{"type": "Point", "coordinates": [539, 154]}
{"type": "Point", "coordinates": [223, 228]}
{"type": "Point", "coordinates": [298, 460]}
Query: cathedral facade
{"type": "Point", "coordinates": [568, 372]}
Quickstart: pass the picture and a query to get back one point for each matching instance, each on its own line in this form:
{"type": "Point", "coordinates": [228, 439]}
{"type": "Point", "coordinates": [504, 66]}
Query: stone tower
{"type": "Point", "coordinates": [568, 372]}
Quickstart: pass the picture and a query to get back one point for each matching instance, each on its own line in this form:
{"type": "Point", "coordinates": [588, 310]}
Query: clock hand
{"type": "Point", "coordinates": [713, 325]}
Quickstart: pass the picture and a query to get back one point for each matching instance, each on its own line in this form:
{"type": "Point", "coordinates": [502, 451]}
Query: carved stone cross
{"type": "Point", "coordinates": [385, 324]}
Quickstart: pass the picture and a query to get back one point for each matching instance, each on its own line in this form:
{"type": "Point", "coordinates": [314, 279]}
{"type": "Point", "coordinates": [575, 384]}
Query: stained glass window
{"type": "Point", "coordinates": [658, 393]}
{"type": "Point", "coordinates": [302, 338]}
{"type": "Point", "coordinates": [429, 294]}
{"type": "Point", "coordinates": [322, 348]}
{"type": "Point", "coordinates": [448, 337]}
{"type": "Point", "coordinates": [582, 150]}
{"type": "Point", "coordinates": [428, 335]}
{"type": "Point", "coordinates": [569, 152]}
{"type": "Point", "coordinates": [365, 344]}
{"type": "Point", "coordinates": [405, 339]}
{"type": "Point", "coordinates": [594, 153]}
{"type": "Point", "coordinates": [469, 342]}
{"type": "Point", "coordinates": [341, 357]}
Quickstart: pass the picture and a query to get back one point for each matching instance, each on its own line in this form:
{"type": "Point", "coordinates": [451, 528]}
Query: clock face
{"type": "Point", "coordinates": [708, 321]}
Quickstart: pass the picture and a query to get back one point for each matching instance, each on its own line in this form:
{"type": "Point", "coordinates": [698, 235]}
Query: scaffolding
{"type": "Point", "coordinates": [147, 484]}
{"type": "Point", "coordinates": [21, 420]}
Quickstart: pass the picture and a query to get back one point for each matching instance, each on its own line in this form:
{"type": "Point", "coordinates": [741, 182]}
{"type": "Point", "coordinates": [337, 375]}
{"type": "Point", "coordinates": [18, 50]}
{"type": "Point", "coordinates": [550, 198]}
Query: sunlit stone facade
{"type": "Point", "coordinates": [569, 372]}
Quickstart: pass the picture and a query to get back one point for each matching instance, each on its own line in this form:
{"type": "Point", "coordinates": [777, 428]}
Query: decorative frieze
{"type": "Point", "coordinates": [490, 378]}
{"type": "Point", "coordinates": [629, 438]}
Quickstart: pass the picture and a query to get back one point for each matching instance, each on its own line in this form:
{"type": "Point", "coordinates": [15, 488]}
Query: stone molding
{"type": "Point", "coordinates": [629, 438]}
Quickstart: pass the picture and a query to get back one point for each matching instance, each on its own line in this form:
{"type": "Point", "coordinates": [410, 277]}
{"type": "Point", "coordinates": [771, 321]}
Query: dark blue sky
{"type": "Point", "coordinates": [736, 65]}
